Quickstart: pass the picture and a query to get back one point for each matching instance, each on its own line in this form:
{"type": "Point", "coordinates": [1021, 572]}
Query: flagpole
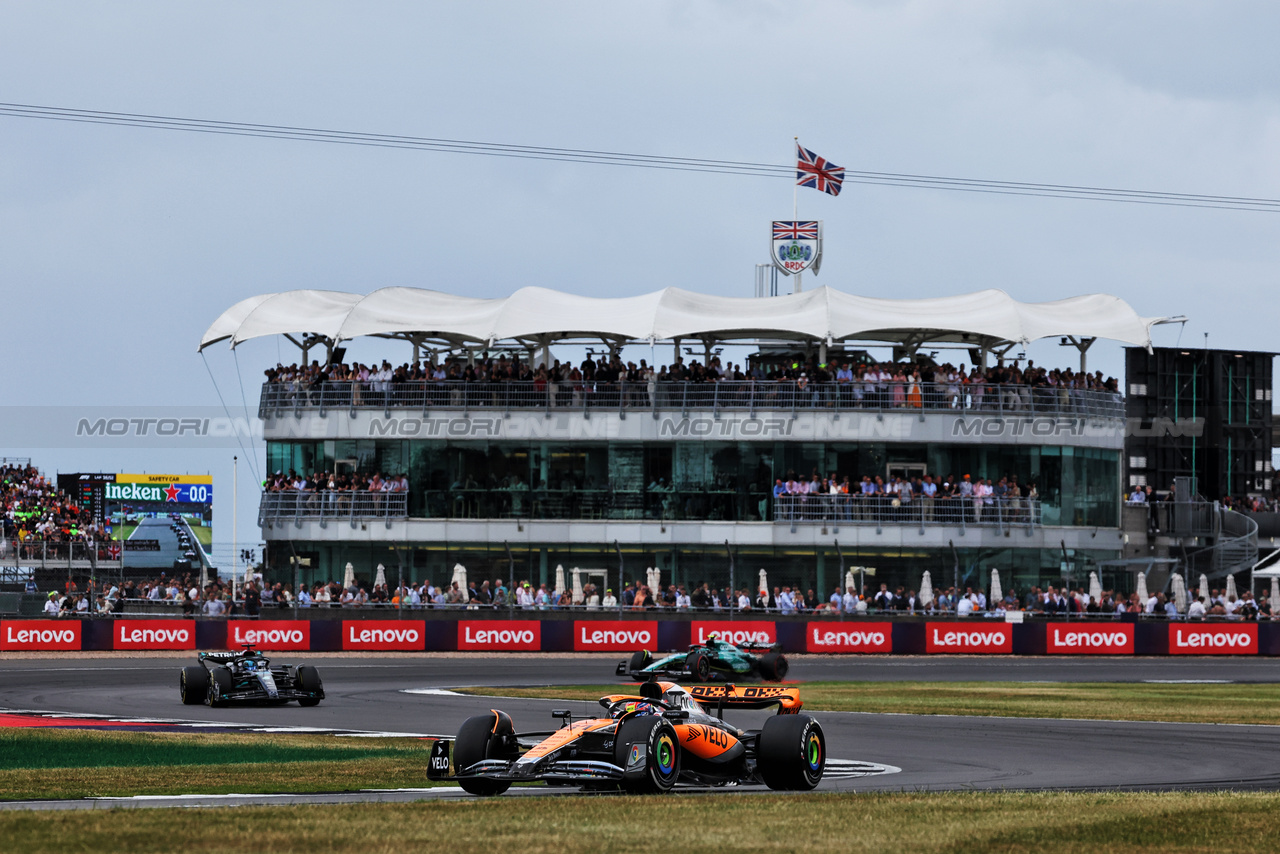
{"type": "Point", "coordinates": [795, 207]}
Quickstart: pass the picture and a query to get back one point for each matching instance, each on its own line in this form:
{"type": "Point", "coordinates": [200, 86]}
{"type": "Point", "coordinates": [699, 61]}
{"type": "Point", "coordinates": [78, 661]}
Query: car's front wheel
{"type": "Point", "coordinates": [193, 685]}
{"type": "Point", "coordinates": [482, 737]}
{"type": "Point", "coordinates": [791, 752]}
{"type": "Point", "coordinates": [309, 680]}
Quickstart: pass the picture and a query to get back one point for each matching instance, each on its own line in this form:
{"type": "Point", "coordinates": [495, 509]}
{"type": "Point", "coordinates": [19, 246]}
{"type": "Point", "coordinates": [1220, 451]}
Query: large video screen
{"type": "Point", "coordinates": [164, 521]}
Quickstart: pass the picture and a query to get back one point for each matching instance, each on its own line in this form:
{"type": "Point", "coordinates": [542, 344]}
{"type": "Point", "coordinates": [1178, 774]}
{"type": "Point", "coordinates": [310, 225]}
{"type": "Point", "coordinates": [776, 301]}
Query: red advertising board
{"type": "Point", "coordinates": [500, 635]}
{"type": "Point", "coordinates": [612, 635]}
{"type": "Point", "coordinates": [40, 635]}
{"type": "Point", "coordinates": [153, 634]}
{"type": "Point", "coordinates": [848, 637]}
{"type": "Point", "coordinates": [1191, 639]}
{"type": "Point", "coordinates": [1089, 640]}
{"type": "Point", "coordinates": [974, 637]}
{"type": "Point", "coordinates": [384, 635]}
{"type": "Point", "coordinates": [269, 634]}
{"type": "Point", "coordinates": [740, 632]}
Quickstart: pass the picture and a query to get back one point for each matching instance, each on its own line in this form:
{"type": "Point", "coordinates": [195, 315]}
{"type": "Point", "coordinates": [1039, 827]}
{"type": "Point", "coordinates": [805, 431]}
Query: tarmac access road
{"type": "Point", "coordinates": [874, 751]}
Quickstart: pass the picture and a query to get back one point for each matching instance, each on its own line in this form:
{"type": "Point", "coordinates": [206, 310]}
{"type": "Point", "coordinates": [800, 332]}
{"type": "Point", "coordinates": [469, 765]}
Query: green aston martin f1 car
{"type": "Point", "coordinates": [713, 661]}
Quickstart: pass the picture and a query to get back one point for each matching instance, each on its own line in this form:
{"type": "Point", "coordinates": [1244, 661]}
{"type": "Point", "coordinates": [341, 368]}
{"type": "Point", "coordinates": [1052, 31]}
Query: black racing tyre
{"type": "Point", "coordinates": [791, 752]}
{"type": "Point", "coordinates": [700, 666]}
{"type": "Point", "coordinates": [479, 738]}
{"type": "Point", "coordinates": [309, 680]}
{"type": "Point", "coordinates": [193, 685]}
{"type": "Point", "coordinates": [221, 678]}
{"type": "Point", "coordinates": [639, 661]}
{"type": "Point", "coordinates": [661, 748]}
{"type": "Point", "coordinates": [773, 666]}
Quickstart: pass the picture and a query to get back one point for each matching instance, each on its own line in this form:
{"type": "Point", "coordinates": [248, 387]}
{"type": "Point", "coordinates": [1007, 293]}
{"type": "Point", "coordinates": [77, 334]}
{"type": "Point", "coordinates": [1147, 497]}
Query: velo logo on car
{"type": "Point", "coordinates": [501, 635]}
{"type": "Point", "coordinates": [1240, 639]}
{"type": "Point", "coordinates": [848, 637]}
{"type": "Point", "coordinates": [39, 635]}
{"type": "Point", "coordinates": [1090, 640]}
{"type": "Point", "coordinates": [613, 635]}
{"type": "Point", "coordinates": [153, 634]}
{"type": "Point", "coordinates": [739, 632]}
{"type": "Point", "coordinates": [959, 637]}
{"type": "Point", "coordinates": [269, 634]}
{"type": "Point", "coordinates": [384, 635]}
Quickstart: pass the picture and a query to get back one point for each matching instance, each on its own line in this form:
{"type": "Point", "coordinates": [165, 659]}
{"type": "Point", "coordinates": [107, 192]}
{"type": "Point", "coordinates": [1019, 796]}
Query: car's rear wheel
{"type": "Point", "coordinates": [657, 738]}
{"type": "Point", "coordinates": [773, 666]}
{"type": "Point", "coordinates": [193, 685]}
{"type": "Point", "coordinates": [309, 680]}
{"type": "Point", "coordinates": [221, 686]}
{"type": "Point", "coordinates": [700, 666]}
{"type": "Point", "coordinates": [479, 738]}
{"type": "Point", "coordinates": [791, 752]}
{"type": "Point", "coordinates": [639, 660]}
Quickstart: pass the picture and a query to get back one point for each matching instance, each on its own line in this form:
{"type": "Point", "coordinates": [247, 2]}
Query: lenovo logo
{"type": "Point", "coordinates": [39, 635]}
{"type": "Point", "coordinates": [500, 635]}
{"type": "Point", "coordinates": [1213, 640]}
{"type": "Point", "coordinates": [741, 633]}
{"type": "Point", "coordinates": [154, 634]}
{"type": "Point", "coordinates": [270, 634]}
{"type": "Point", "coordinates": [1115, 640]}
{"type": "Point", "coordinates": [614, 635]}
{"type": "Point", "coordinates": [383, 634]}
{"type": "Point", "coordinates": [873, 637]}
{"type": "Point", "coordinates": [949, 637]}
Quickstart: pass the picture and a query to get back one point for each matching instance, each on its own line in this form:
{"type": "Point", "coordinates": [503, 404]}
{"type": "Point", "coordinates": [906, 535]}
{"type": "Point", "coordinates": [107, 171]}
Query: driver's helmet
{"type": "Point", "coordinates": [637, 708]}
{"type": "Point", "coordinates": [713, 638]}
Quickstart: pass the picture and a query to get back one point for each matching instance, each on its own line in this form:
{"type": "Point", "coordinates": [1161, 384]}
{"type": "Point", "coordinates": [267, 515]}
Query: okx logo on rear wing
{"type": "Point", "coordinates": [747, 697]}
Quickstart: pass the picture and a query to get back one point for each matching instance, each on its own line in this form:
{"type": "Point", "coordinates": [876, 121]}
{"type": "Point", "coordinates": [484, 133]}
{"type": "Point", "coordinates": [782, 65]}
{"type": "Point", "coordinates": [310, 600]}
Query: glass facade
{"type": "Point", "coordinates": [690, 565]}
{"type": "Point", "coordinates": [690, 480]}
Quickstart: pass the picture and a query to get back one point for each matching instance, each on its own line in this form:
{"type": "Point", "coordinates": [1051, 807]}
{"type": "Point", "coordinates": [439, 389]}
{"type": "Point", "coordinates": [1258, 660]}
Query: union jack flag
{"type": "Point", "coordinates": [814, 171]}
{"type": "Point", "coordinates": [795, 230]}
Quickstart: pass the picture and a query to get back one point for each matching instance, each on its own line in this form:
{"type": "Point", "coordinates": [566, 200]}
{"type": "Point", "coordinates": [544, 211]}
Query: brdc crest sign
{"type": "Point", "coordinates": [797, 246]}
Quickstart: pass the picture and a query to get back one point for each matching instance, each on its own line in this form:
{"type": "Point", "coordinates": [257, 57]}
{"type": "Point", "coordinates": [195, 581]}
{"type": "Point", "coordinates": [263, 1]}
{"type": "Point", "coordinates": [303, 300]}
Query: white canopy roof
{"type": "Point", "coordinates": [539, 314]}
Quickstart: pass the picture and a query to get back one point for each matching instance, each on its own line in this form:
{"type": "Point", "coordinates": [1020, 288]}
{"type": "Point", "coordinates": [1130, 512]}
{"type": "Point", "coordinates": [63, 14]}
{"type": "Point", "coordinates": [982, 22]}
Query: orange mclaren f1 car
{"type": "Point", "coordinates": [643, 743]}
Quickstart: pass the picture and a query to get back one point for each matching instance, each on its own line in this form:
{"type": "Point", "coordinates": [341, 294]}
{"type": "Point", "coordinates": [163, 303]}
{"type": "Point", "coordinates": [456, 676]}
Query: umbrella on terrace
{"type": "Point", "coordinates": [764, 581]}
{"type": "Point", "coordinates": [559, 579]}
{"type": "Point", "coordinates": [926, 588]}
{"type": "Point", "coordinates": [1231, 588]}
{"type": "Point", "coordinates": [1095, 588]}
{"type": "Point", "coordinates": [349, 577]}
{"type": "Point", "coordinates": [381, 578]}
{"type": "Point", "coordinates": [996, 593]}
{"type": "Point", "coordinates": [459, 575]}
{"type": "Point", "coordinates": [850, 581]}
{"type": "Point", "coordinates": [1179, 593]}
{"type": "Point", "coordinates": [576, 575]}
{"type": "Point", "coordinates": [1275, 592]}
{"type": "Point", "coordinates": [1143, 595]}
{"type": "Point", "coordinates": [1204, 588]}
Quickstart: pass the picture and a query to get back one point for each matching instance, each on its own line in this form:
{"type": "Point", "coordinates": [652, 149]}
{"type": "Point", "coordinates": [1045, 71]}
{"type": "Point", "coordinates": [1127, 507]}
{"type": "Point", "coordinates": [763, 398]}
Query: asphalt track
{"type": "Point", "coordinates": [389, 695]}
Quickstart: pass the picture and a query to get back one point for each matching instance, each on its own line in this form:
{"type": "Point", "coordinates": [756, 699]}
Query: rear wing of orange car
{"type": "Point", "coordinates": [731, 696]}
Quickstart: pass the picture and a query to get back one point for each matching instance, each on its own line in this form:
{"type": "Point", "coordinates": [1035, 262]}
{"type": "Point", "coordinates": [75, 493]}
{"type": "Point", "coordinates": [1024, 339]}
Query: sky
{"type": "Point", "coordinates": [119, 246]}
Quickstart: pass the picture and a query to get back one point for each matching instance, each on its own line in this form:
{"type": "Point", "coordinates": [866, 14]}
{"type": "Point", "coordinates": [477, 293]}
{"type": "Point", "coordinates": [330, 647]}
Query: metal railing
{"type": "Point", "coordinates": [57, 553]}
{"type": "Point", "coordinates": [427, 395]}
{"type": "Point", "coordinates": [882, 510]}
{"type": "Point", "coordinates": [332, 504]}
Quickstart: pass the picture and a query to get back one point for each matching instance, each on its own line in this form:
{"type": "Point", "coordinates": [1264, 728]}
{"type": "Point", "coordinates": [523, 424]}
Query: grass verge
{"type": "Point", "coordinates": [1115, 823]}
{"type": "Point", "coordinates": [65, 763]}
{"type": "Point", "coordinates": [1225, 704]}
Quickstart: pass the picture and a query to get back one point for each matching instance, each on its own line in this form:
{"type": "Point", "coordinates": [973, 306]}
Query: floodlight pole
{"type": "Point", "coordinates": [235, 555]}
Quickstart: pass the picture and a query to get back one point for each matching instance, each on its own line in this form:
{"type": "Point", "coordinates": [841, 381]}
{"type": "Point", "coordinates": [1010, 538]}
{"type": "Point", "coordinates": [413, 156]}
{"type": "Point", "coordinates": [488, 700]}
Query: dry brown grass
{"type": "Point", "coordinates": [1220, 823]}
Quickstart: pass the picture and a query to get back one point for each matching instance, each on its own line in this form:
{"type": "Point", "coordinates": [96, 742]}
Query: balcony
{"type": "Point", "coordinates": [732, 396]}
{"type": "Point", "coordinates": [884, 511]}
{"type": "Point", "coordinates": [333, 505]}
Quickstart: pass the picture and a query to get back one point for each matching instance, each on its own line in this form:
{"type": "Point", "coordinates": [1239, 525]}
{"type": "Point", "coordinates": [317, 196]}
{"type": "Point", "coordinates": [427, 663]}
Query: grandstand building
{"type": "Point", "coordinates": [616, 476]}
